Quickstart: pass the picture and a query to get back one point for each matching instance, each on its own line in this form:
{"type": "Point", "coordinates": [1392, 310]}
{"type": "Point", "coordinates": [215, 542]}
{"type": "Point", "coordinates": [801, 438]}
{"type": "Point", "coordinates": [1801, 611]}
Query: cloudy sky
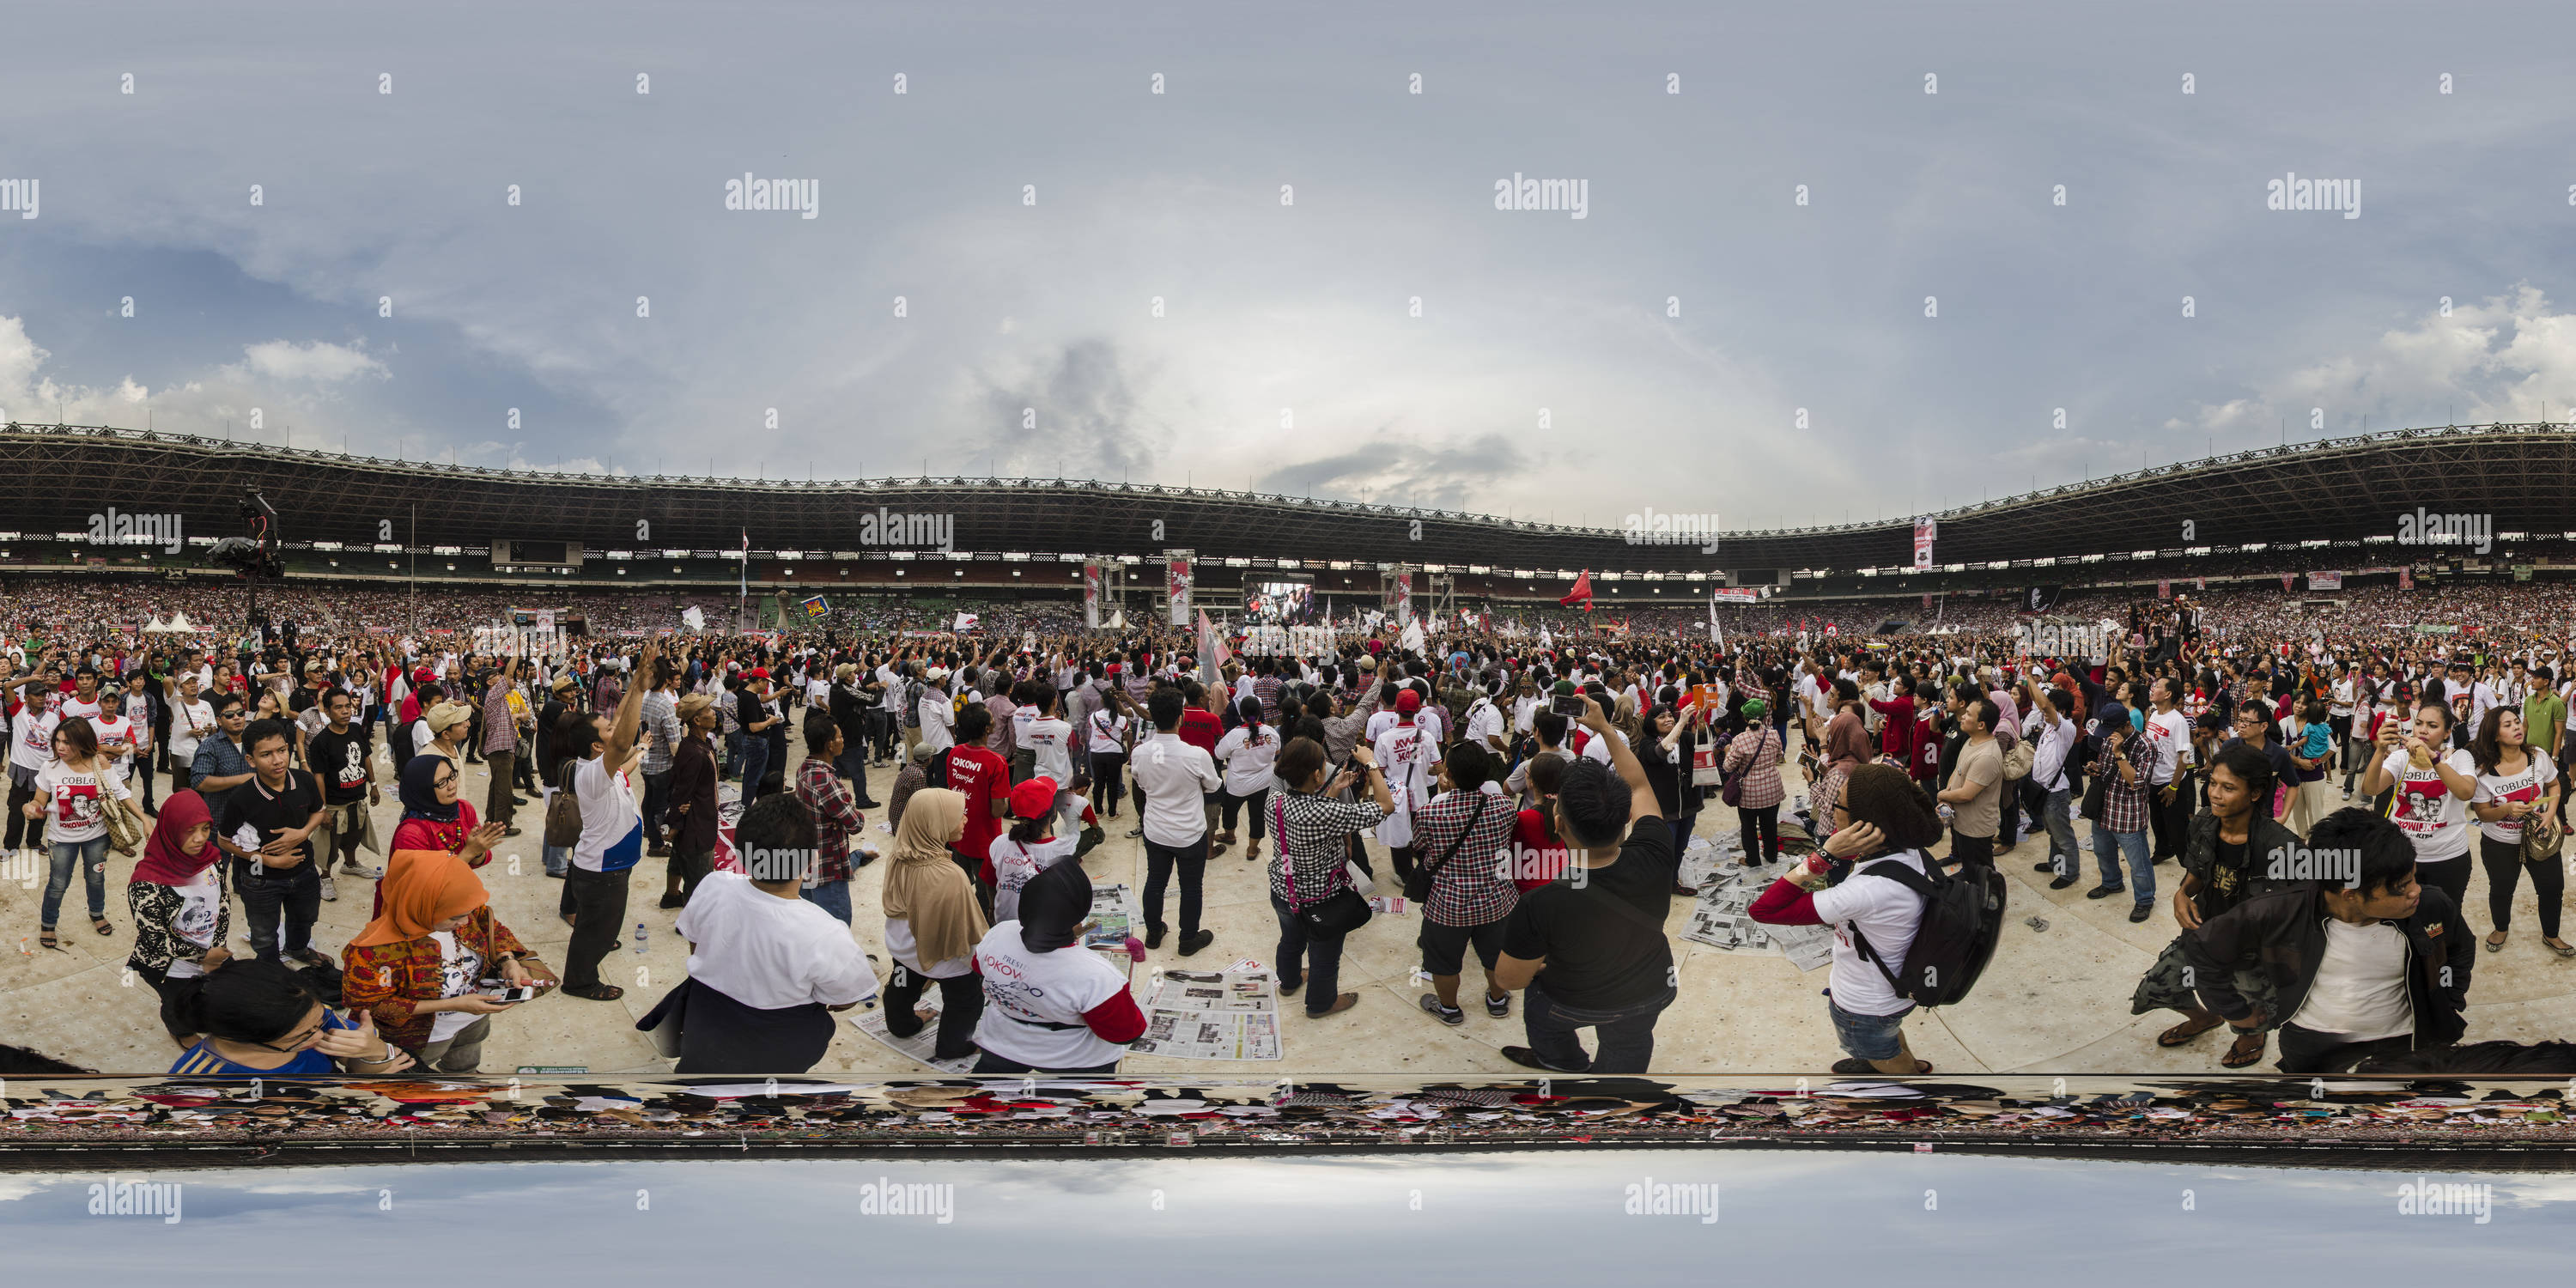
{"type": "Point", "coordinates": [1290, 202]}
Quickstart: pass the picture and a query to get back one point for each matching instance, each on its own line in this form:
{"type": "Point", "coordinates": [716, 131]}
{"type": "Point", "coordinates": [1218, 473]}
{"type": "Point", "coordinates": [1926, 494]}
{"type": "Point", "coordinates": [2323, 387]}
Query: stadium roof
{"type": "Point", "coordinates": [2337, 489]}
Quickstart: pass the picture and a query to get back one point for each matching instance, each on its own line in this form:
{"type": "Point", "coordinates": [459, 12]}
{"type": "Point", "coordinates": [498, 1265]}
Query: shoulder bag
{"type": "Point", "coordinates": [1418, 886]}
{"type": "Point", "coordinates": [1341, 912]}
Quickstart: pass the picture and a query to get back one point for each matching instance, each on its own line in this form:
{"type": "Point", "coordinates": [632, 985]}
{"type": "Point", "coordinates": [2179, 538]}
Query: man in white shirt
{"type": "Point", "coordinates": [2169, 778]}
{"type": "Point", "coordinates": [757, 945]}
{"type": "Point", "coordinates": [1176, 778]}
{"type": "Point", "coordinates": [2052, 733]}
{"type": "Point", "coordinates": [612, 836]}
{"type": "Point", "coordinates": [938, 714]}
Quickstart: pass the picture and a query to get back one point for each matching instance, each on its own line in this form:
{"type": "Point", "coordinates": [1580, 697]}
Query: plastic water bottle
{"type": "Point", "coordinates": [640, 934]}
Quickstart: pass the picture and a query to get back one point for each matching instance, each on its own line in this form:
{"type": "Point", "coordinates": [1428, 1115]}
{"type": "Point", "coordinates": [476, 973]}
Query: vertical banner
{"type": "Point", "coordinates": [2164, 590]}
{"type": "Point", "coordinates": [2406, 579]}
{"type": "Point", "coordinates": [1924, 530]}
{"type": "Point", "coordinates": [2285, 583]}
{"type": "Point", "coordinates": [1176, 584]}
{"type": "Point", "coordinates": [1091, 596]}
{"type": "Point", "coordinates": [1399, 598]}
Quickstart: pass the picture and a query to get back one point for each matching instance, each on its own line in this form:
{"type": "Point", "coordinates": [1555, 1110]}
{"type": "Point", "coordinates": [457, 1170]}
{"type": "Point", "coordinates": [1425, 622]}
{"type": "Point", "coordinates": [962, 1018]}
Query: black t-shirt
{"type": "Point", "coordinates": [340, 761]}
{"type": "Point", "coordinates": [272, 813]}
{"type": "Point", "coordinates": [1604, 941]}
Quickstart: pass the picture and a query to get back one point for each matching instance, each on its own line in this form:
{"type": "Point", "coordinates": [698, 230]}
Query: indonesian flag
{"type": "Point", "coordinates": [1582, 591]}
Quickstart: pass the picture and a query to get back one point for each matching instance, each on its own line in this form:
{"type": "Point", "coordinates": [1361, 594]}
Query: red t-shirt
{"type": "Point", "coordinates": [982, 777]}
{"type": "Point", "coordinates": [1201, 729]}
{"type": "Point", "coordinates": [1532, 843]}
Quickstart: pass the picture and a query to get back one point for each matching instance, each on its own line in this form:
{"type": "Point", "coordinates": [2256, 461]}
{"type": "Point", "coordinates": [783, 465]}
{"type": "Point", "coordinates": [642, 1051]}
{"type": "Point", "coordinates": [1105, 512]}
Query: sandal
{"type": "Point", "coordinates": [596, 992]}
{"type": "Point", "coordinates": [2495, 942]}
{"type": "Point", "coordinates": [2238, 1056]}
{"type": "Point", "coordinates": [45, 939]}
{"type": "Point", "coordinates": [2186, 1031]}
{"type": "Point", "coordinates": [100, 924]}
{"type": "Point", "coordinates": [1859, 1068]}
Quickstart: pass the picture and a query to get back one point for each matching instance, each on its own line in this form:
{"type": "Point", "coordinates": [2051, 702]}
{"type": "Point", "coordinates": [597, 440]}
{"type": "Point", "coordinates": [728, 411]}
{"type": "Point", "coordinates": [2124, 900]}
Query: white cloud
{"type": "Point", "coordinates": [317, 360]}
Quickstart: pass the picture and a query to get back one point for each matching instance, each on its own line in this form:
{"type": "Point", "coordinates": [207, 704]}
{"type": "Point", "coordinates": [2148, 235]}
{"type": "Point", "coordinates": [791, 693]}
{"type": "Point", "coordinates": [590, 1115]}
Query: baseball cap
{"type": "Point", "coordinates": [1034, 798]}
{"type": "Point", "coordinates": [447, 715]}
{"type": "Point", "coordinates": [1408, 702]}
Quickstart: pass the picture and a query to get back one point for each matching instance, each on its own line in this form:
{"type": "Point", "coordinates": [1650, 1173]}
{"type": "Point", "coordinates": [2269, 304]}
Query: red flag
{"type": "Point", "coordinates": [1582, 591]}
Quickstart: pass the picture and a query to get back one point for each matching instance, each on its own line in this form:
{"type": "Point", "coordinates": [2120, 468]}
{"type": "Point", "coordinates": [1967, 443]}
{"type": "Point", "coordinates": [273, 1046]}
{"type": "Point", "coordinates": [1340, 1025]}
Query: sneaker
{"type": "Point", "coordinates": [1191, 944]}
{"type": "Point", "coordinates": [1453, 1016]}
{"type": "Point", "coordinates": [363, 873]}
{"type": "Point", "coordinates": [1499, 1007]}
{"type": "Point", "coordinates": [2105, 892]}
{"type": "Point", "coordinates": [1136, 831]}
{"type": "Point", "coordinates": [330, 891]}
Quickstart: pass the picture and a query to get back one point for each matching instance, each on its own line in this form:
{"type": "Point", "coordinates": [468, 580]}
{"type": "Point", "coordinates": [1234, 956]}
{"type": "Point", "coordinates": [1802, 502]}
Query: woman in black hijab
{"type": "Point", "coordinates": [1050, 1004]}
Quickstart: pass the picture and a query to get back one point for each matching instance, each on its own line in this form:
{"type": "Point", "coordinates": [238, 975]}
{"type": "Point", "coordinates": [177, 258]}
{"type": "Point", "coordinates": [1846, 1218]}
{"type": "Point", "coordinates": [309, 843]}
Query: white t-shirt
{"type": "Point", "coordinates": [1108, 731]}
{"type": "Point", "coordinates": [189, 723]}
{"type": "Point", "coordinates": [2169, 733]}
{"type": "Point", "coordinates": [1015, 865]}
{"type": "Point", "coordinates": [459, 969]}
{"type": "Point", "coordinates": [1885, 911]}
{"type": "Point", "coordinates": [77, 802]}
{"type": "Point", "coordinates": [2435, 820]}
{"type": "Point", "coordinates": [116, 728]}
{"type": "Point", "coordinates": [1025, 991]}
{"type": "Point", "coordinates": [34, 728]}
{"type": "Point", "coordinates": [770, 953]}
{"type": "Point", "coordinates": [1052, 740]}
{"type": "Point", "coordinates": [1483, 719]}
{"type": "Point", "coordinates": [1405, 752]}
{"type": "Point", "coordinates": [2529, 785]}
{"type": "Point", "coordinates": [1175, 776]}
{"type": "Point", "coordinates": [2360, 987]}
{"type": "Point", "coordinates": [1248, 757]}
{"type": "Point", "coordinates": [612, 825]}
{"type": "Point", "coordinates": [200, 903]}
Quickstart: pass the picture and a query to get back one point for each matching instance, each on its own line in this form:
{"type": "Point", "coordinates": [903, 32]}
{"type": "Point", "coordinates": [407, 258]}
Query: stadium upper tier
{"type": "Point", "coordinates": [2513, 478]}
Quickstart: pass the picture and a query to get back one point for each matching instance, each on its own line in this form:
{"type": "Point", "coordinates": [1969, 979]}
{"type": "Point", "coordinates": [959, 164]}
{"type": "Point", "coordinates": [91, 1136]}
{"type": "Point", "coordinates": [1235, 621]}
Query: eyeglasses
{"type": "Point", "coordinates": [443, 780]}
{"type": "Point", "coordinates": [294, 1043]}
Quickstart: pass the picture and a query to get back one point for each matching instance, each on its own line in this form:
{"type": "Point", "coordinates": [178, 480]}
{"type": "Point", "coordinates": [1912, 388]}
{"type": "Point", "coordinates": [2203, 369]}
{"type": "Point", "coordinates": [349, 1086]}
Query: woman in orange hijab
{"type": "Point", "coordinates": [422, 966]}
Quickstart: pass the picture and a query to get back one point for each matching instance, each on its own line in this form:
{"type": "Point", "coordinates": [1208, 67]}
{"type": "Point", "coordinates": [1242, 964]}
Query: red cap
{"type": "Point", "coordinates": [756, 673]}
{"type": "Point", "coordinates": [1407, 702]}
{"type": "Point", "coordinates": [422, 676]}
{"type": "Point", "coordinates": [1034, 798]}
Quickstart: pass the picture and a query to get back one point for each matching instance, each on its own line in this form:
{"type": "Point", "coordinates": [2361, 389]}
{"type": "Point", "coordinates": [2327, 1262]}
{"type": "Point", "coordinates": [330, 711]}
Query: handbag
{"type": "Point", "coordinates": [2541, 837]}
{"type": "Point", "coordinates": [563, 812]}
{"type": "Point", "coordinates": [1340, 913]}
{"type": "Point", "coordinates": [1418, 886]}
{"type": "Point", "coordinates": [124, 831]}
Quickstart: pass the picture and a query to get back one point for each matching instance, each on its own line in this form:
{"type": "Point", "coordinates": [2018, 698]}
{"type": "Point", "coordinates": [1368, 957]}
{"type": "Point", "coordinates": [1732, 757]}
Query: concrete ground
{"type": "Point", "coordinates": [2053, 1001]}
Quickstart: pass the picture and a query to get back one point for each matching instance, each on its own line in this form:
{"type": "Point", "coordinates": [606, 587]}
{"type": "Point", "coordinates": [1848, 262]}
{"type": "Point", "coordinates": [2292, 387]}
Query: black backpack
{"type": "Point", "coordinates": [1963, 916]}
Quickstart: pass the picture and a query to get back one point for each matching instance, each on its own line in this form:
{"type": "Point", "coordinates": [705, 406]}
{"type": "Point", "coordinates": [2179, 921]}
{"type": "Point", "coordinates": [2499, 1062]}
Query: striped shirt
{"type": "Point", "coordinates": [1312, 831]}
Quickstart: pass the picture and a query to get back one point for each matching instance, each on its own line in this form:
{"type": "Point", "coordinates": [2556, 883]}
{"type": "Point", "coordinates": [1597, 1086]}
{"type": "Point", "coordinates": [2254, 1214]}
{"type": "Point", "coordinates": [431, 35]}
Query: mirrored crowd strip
{"type": "Point", "coordinates": [57, 1119]}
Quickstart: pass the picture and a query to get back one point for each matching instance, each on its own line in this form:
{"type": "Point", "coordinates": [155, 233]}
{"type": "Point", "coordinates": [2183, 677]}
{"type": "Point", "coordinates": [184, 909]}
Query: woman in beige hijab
{"type": "Point", "coordinates": [933, 925]}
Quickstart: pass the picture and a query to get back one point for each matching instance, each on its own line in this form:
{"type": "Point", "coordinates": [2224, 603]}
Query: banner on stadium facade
{"type": "Point", "coordinates": [1399, 598]}
{"type": "Point", "coordinates": [2041, 598]}
{"type": "Point", "coordinates": [2325, 581]}
{"type": "Point", "coordinates": [1176, 585]}
{"type": "Point", "coordinates": [1924, 530]}
{"type": "Point", "coordinates": [1737, 594]}
{"type": "Point", "coordinates": [2406, 579]}
{"type": "Point", "coordinates": [2164, 589]}
{"type": "Point", "coordinates": [2442, 628]}
{"type": "Point", "coordinates": [2286, 578]}
{"type": "Point", "coordinates": [1091, 596]}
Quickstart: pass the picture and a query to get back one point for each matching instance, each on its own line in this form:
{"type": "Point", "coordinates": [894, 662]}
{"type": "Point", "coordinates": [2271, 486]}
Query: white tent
{"type": "Point", "coordinates": [178, 624]}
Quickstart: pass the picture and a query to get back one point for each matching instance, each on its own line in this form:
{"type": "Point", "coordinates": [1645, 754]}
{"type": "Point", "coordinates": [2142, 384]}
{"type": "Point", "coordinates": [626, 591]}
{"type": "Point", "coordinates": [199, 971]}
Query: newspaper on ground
{"type": "Point", "coordinates": [917, 1048]}
{"type": "Point", "coordinates": [1720, 921]}
{"type": "Point", "coordinates": [1212, 1015]}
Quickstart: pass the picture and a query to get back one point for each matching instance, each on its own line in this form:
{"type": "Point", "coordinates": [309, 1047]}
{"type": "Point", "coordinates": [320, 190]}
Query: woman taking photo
{"type": "Point", "coordinates": [262, 1020]}
{"type": "Point", "coordinates": [1050, 1005]}
{"type": "Point", "coordinates": [2226, 856]}
{"type": "Point", "coordinates": [1311, 864]}
{"type": "Point", "coordinates": [181, 918]}
{"type": "Point", "coordinates": [72, 797]}
{"type": "Point", "coordinates": [1754, 758]}
{"type": "Point", "coordinates": [932, 924]}
{"type": "Point", "coordinates": [2516, 801]}
{"type": "Point", "coordinates": [2434, 783]}
{"type": "Point", "coordinates": [418, 968]}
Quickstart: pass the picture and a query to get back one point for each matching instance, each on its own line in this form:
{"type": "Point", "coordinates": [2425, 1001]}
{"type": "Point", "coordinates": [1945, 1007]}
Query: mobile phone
{"type": "Point", "coordinates": [1568, 705]}
{"type": "Point", "coordinates": [513, 994]}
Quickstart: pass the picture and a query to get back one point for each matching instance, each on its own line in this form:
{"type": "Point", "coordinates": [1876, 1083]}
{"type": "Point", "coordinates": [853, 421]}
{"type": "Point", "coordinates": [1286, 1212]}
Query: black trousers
{"type": "Point", "coordinates": [1760, 830]}
{"type": "Point", "coordinates": [2450, 876]}
{"type": "Point", "coordinates": [2505, 864]}
{"type": "Point", "coordinates": [597, 903]}
{"type": "Point", "coordinates": [273, 895]}
{"type": "Point", "coordinates": [159, 979]}
{"type": "Point", "coordinates": [2169, 821]}
{"type": "Point", "coordinates": [2308, 1051]}
{"type": "Point", "coordinates": [1978, 851]}
{"type": "Point", "coordinates": [961, 1004]}
{"type": "Point", "coordinates": [1160, 860]}
{"type": "Point", "coordinates": [19, 824]}
{"type": "Point", "coordinates": [1106, 766]}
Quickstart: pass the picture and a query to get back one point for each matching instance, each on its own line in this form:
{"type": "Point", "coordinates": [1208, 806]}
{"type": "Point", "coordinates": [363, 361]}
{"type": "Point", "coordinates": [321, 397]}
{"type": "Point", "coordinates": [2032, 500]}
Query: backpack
{"type": "Point", "coordinates": [1963, 916]}
{"type": "Point", "coordinates": [563, 812]}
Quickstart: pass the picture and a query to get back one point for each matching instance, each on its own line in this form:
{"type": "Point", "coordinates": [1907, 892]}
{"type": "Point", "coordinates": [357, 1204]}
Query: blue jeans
{"type": "Point", "coordinates": [733, 754]}
{"type": "Point", "coordinates": [755, 764]}
{"type": "Point", "coordinates": [832, 897]}
{"type": "Point", "coordinates": [1307, 957]}
{"type": "Point", "coordinates": [852, 764]}
{"type": "Point", "coordinates": [2061, 835]}
{"type": "Point", "coordinates": [1626, 1033]}
{"type": "Point", "coordinates": [1869, 1037]}
{"type": "Point", "coordinates": [91, 857]}
{"type": "Point", "coordinates": [2142, 870]}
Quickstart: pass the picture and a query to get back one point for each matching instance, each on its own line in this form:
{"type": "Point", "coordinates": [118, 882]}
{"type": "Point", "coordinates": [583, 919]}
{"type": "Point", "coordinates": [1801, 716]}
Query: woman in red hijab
{"type": "Point", "coordinates": [436, 817]}
{"type": "Point", "coordinates": [419, 967]}
{"type": "Point", "coordinates": [181, 918]}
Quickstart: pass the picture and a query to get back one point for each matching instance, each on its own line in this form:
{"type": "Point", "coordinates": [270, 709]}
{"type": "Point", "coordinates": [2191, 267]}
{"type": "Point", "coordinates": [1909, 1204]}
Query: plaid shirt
{"type": "Point", "coordinates": [2124, 805]}
{"type": "Point", "coordinates": [500, 725]}
{"type": "Point", "coordinates": [1472, 888]}
{"type": "Point", "coordinates": [836, 816]}
{"type": "Point", "coordinates": [392, 979]}
{"type": "Point", "coordinates": [1312, 831]}
{"type": "Point", "coordinates": [1266, 688]}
